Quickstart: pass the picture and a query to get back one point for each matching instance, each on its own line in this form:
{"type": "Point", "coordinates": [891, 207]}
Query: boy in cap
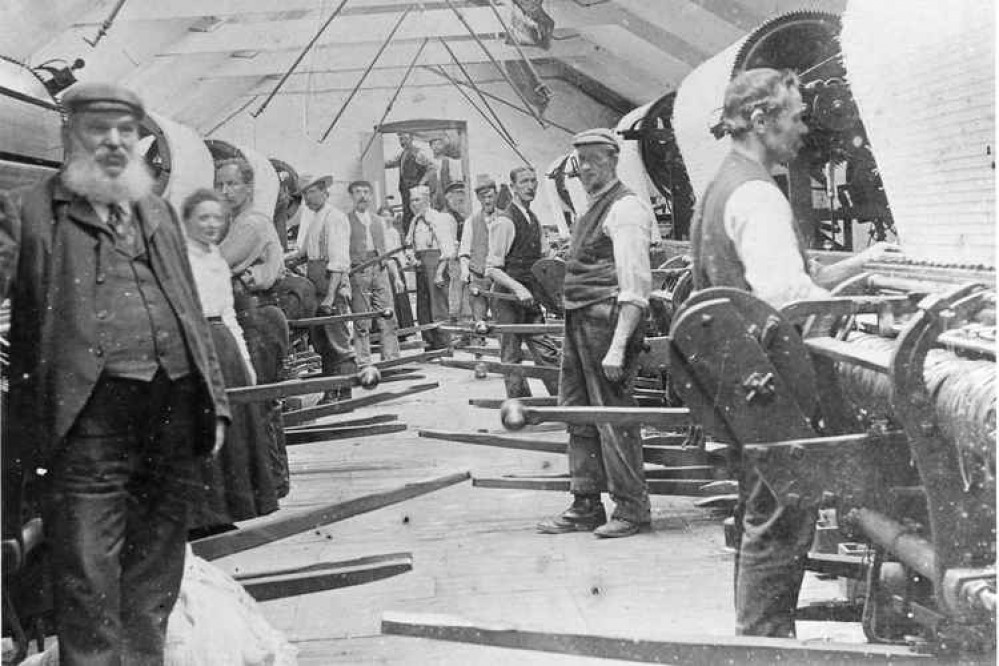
{"type": "Point", "coordinates": [607, 284]}
{"type": "Point", "coordinates": [116, 388]}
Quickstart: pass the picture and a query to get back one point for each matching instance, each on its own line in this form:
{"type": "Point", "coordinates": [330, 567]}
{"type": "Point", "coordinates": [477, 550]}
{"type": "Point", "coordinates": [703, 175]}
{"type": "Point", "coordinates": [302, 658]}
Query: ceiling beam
{"type": "Point", "coordinates": [251, 10]}
{"type": "Point", "coordinates": [355, 56]}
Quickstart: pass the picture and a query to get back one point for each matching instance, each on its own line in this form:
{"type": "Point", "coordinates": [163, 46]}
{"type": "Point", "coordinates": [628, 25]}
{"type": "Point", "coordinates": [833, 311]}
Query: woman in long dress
{"type": "Point", "coordinates": [239, 481]}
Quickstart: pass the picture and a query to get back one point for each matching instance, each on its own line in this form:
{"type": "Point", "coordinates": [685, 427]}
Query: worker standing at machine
{"type": "Point", "coordinates": [515, 242]}
{"type": "Point", "coordinates": [253, 251]}
{"type": "Point", "coordinates": [369, 287]}
{"type": "Point", "coordinates": [324, 241]}
{"type": "Point", "coordinates": [474, 246]}
{"type": "Point", "coordinates": [607, 284]}
{"type": "Point", "coordinates": [744, 236]}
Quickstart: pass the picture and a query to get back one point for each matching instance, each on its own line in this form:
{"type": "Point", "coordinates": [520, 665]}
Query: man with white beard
{"type": "Point", "coordinates": [115, 386]}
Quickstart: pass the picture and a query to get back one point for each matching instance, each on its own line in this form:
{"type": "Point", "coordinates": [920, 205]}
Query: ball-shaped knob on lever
{"type": "Point", "coordinates": [481, 372]}
{"type": "Point", "coordinates": [513, 414]}
{"type": "Point", "coordinates": [481, 328]}
{"type": "Point", "coordinates": [386, 313]}
{"type": "Point", "coordinates": [369, 377]}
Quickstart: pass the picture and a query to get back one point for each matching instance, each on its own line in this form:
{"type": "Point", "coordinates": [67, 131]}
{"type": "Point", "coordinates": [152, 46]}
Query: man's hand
{"type": "Point", "coordinates": [345, 289]}
{"type": "Point", "coordinates": [613, 364]}
{"type": "Point", "coordinates": [466, 274]}
{"type": "Point", "coordinates": [881, 250]}
{"type": "Point", "coordinates": [399, 285]}
{"type": "Point", "coordinates": [246, 277]}
{"type": "Point", "coordinates": [439, 276]}
{"type": "Point", "coordinates": [524, 295]}
{"type": "Point", "coordinates": [220, 428]}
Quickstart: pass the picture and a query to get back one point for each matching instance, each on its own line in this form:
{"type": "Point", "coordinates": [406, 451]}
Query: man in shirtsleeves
{"type": "Point", "coordinates": [369, 287]}
{"type": "Point", "coordinates": [607, 286]}
{"type": "Point", "coordinates": [432, 245]}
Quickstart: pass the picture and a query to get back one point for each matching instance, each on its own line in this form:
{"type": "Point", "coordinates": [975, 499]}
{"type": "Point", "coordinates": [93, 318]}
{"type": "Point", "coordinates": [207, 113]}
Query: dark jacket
{"type": "Point", "coordinates": [49, 258]}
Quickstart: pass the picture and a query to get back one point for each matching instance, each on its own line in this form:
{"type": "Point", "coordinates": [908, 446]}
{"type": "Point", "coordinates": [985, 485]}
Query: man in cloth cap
{"type": "Point", "coordinates": [456, 206]}
{"type": "Point", "coordinates": [369, 287]}
{"type": "Point", "coordinates": [115, 387]}
{"type": "Point", "coordinates": [515, 242]}
{"type": "Point", "coordinates": [324, 242]}
{"type": "Point", "coordinates": [607, 286]}
{"type": "Point", "coordinates": [474, 247]}
{"type": "Point", "coordinates": [432, 244]}
{"type": "Point", "coordinates": [744, 236]}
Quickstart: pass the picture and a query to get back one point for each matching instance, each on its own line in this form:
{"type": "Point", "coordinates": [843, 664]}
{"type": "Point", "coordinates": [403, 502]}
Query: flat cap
{"type": "Point", "coordinates": [97, 96]}
{"type": "Point", "coordinates": [455, 186]}
{"type": "Point", "coordinates": [419, 191]}
{"type": "Point", "coordinates": [308, 180]}
{"type": "Point", "coordinates": [484, 181]}
{"type": "Point", "coordinates": [596, 136]}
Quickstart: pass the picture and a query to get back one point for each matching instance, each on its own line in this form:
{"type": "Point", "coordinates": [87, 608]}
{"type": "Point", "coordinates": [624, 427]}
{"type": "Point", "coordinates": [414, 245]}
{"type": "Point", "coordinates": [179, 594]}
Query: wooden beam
{"type": "Point", "coordinates": [284, 526]}
{"type": "Point", "coordinates": [422, 357]}
{"type": "Point", "coordinates": [309, 322]}
{"type": "Point", "coordinates": [533, 401]}
{"type": "Point", "coordinates": [707, 649]}
{"type": "Point", "coordinates": [294, 437]}
{"type": "Point", "coordinates": [367, 420]}
{"type": "Point", "coordinates": [682, 487]}
{"type": "Point", "coordinates": [844, 352]}
{"type": "Point", "coordinates": [523, 369]}
{"type": "Point", "coordinates": [505, 442]}
{"type": "Point", "coordinates": [491, 329]}
{"type": "Point", "coordinates": [319, 411]}
{"type": "Point", "coordinates": [283, 583]}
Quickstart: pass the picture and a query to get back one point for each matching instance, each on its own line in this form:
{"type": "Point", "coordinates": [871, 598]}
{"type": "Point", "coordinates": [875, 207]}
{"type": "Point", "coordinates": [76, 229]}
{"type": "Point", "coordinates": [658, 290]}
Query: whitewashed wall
{"type": "Point", "coordinates": [927, 97]}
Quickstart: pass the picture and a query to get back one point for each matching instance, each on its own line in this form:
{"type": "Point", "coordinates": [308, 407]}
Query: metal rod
{"type": "Point", "coordinates": [485, 102]}
{"type": "Point", "coordinates": [367, 70]}
{"type": "Point", "coordinates": [499, 67]}
{"type": "Point", "coordinates": [505, 102]}
{"type": "Point", "coordinates": [106, 24]}
{"type": "Point", "coordinates": [298, 60]}
{"type": "Point", "coordinates": [395, 95]}
{"type": "Point", "coordinates": [232, 115]}
{"type": "Point", "coordinates": [913, 551]}
{"type": "Point", "coordinates": [488, 120]}
{"type": "Point", "coordinates": [542, 89]}
{"type": "Point", "coordinates": [515, 415]}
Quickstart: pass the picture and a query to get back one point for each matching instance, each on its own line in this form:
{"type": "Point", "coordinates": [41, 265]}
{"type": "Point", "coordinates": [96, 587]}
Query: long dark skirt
{"type": "Point", "coordinates": [239, 481]}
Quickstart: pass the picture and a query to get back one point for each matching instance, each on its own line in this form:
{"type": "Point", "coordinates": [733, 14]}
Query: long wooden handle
{"type": "Point", "coordinates": [515, 415]}
{"type": "Point", "coordinates": [376, 260]}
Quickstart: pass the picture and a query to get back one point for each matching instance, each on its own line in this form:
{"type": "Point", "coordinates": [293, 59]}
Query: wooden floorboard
{"type": "Point", "coordinates": [476, 552]}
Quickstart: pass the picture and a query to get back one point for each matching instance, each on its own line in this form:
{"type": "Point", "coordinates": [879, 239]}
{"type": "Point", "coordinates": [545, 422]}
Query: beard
{"type": "Point", "coordinates": [85, 176]}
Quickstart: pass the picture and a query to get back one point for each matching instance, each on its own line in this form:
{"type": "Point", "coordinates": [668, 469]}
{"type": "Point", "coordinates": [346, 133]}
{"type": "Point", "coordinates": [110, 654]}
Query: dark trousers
{"type": "Point", "coordinates": [603, 457]}
{"type": "Point", "coordinates": [431, 300]}
{"type": "Point", "coordinates": [478, 304]}
{"type": "Point", "coordinates": [543, 349]}
{"type": "Point", "coordinates": [331, 342]}
{"type": "Point", "coordinates": [265, 328]}
{"type": "Point", "coordinates": [116, 515]}
{"type": "Point", "coordinates": [771, 562]}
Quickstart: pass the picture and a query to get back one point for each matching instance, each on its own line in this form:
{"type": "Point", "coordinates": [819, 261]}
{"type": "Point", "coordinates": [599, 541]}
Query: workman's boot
{"type": "Point", "coordinates": [586, 514]}
{"type": "Point", "coordinates": [618, 527]}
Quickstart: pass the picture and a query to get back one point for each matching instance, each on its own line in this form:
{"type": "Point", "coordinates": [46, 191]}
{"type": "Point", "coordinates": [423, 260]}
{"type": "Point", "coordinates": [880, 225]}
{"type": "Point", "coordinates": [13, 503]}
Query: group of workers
{"type": "Point", "coordinates": [126, 331]}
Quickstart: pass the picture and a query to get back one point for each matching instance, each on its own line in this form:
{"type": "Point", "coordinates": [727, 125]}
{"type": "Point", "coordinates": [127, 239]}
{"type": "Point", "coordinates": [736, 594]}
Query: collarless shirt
{"type": "Point", "coordinates": [628, 224]}
{"type": "Point", "coordinates": [502, 233]}
{"type": "Point", "coordinates": [327, 237]}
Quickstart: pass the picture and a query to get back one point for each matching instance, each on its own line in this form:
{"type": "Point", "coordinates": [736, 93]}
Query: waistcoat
{"type": "Point", "coordinates": [716, 260]}
{"type": "Point", "coordinates": [358, 238]}
{"type": "Point", "coordinates": [590, 272]}
{"type": "Point", "coordinates": [137, 329]}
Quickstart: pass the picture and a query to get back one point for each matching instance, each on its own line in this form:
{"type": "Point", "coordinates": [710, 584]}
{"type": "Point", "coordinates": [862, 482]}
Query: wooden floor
{"type": "Point", "coordinates": [476, 553]}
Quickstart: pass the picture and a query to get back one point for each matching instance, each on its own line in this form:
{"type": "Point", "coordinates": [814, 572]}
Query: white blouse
{"type": "Point", "coordinates": [212, 280]}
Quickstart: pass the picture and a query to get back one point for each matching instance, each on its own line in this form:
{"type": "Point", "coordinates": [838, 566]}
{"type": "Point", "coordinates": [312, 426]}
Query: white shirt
{"type": "Point", "coordinates": [501, 235]}
{"type": "Point", "coordinates": [336, 249]}
{"type": "Point", "coordinates": [212, 281]}
{"type": "Point", "coordinates": [628, 224]}
{"type": "Point", "coordinates": [759, 220]}
{"type": "Point", "coordinates": [435, 232]}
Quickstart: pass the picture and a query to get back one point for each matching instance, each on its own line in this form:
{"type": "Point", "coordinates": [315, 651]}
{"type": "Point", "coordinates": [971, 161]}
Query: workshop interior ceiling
{"type": "Point", "coordinates": [199, 61]}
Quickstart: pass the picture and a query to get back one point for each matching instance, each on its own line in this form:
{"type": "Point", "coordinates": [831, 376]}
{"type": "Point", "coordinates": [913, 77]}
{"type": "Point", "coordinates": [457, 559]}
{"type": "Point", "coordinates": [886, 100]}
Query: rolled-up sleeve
{"type": "Point", "coordinates": [760, 223]}
{"type": "Point", "coordinates": [628, 225]}
{"type": "Point", "coordinates": [501, 235]}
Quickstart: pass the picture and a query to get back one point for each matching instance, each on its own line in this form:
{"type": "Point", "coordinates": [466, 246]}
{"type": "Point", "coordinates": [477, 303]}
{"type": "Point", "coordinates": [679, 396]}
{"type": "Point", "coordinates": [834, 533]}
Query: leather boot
{"type": "Point", "coordinates": [584, 515]}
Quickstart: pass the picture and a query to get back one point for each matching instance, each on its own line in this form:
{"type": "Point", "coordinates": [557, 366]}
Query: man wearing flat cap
{"type": "Point", "coordinates": [324, 241]}
{"type": "Point", "coordinates": [474, 246]}
{"type": "Point", "coordinates": [456, 206]}
{"type": "Point", "coordinates": [115, 385]}
{"type": "Point", "coordinates": [607, 285]}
